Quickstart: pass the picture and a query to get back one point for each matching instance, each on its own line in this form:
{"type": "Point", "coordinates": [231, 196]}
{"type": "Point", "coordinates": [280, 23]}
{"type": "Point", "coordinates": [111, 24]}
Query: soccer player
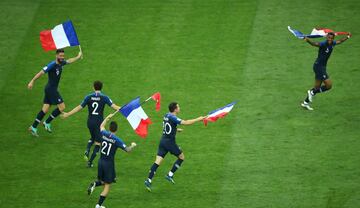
{"type": "Point", "coordinates": [96, 102]}
{"type": "Point", "coordinates": [321, 76]}
{"type": "Point", "coordinates": [168, 143]}
{"type": "Point", "coordinates": [106, 167]}
{"type": "Point", "coordinates": [52, 96]}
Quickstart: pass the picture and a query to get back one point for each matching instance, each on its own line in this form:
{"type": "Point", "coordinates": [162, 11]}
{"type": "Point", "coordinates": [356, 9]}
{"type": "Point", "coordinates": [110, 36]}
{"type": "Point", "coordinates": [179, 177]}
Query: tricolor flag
{"type": "Point", "coordinates": [315, 33]}
{"type": "Point", "coordinates": [219, 113]}
{"type": "Point", "coordinates": [61, 36]}
{"type": "Point", "coordinates": [136, 116]}
{"type": "Point", "coordinates": [157, 98]}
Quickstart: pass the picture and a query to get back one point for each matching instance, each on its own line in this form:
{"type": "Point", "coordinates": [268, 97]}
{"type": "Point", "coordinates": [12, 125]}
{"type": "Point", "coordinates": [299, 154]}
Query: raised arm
{"type": "Point", "coordinates": [103, 124]}
{"type": "Point", "coordinates": [343, 39]}
{"type": "Point", "coordinates": [73, 111]}
{"type": "Point", "coordinates": [191, 121]}
{"type": "Point", "coordinates": [72, 60]}
{"type": "Point", "coordinates": [316, 44]}
{"type": "Point", "coordinates": [37, 76]}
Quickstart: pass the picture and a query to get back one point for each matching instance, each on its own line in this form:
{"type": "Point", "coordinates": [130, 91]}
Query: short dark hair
{"type": "Point", "coordinates": [60, 51]}
{"type": "Point", "coordinates": [113, 126]}
{"type": "Point", "coordinates": [98, 85]}
{"type": "Point", "coordinates": [331, 33]}
{"type": "Point", "coordinates": [172, 106]}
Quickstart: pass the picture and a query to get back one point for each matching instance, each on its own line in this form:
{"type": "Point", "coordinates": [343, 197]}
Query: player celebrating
{"type": "Point", "coordinates": [106, 168]}
{"type": "Point", "coordinates": [325, 49]}
{"type": "Point", "coordinates": [168, 143]}
{"type": "Point", "coordinates": [52, 96]}
{"type": "Point", "coordinates": [96, 103]}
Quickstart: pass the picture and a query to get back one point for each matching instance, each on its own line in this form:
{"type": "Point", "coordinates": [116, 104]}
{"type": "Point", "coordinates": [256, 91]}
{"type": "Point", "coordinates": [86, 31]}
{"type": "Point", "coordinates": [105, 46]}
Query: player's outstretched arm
{"type": "Point", "coordinates": [73, 111]}
{"type": "Point", "coordinates": [103, 124]}
{"type": "Point", "coordinates": [132, 146]}
{"type": "Point", "coordinates": [316, 44]}
{"type": "Point", "coordinates": [189, 122]}
{"type": "Point", "coordinates": [37, 76]}
{"type": "Point", "coordinates": [115, 107]}
{"type": "Point", "coordinates": [343, 39]}
{"type": "Point", "coordinates": [72, 60]}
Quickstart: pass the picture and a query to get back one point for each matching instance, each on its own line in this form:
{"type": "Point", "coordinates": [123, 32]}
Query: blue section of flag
{"type": "Point", "coordinates": [228, 105]}
{"type": "Point", "coordinates": [70, 33]}
{"type": "Point", "coordinates": [128, 108]}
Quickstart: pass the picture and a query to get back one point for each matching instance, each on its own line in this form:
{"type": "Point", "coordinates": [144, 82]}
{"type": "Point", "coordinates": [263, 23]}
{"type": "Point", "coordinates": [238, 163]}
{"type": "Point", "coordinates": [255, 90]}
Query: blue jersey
{"type": "Point", "coordinates": [109, 144]}
{"type": "Point", "coordinates": [96, 103]}
{"type": "Point", "coordinates": [54, 74]}
{"type": "Point", "coordinates": [324, 52]}
{"type": "Point", "coordinates": [170, 123]}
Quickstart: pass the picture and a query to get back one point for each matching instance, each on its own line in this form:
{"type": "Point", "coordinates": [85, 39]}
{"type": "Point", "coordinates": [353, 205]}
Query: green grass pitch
{"type": "Point", "coordinates": [268, 152]}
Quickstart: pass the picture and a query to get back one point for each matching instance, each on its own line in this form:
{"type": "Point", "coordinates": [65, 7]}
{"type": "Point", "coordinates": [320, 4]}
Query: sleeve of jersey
{"type": "Point", "coordinates": [85, 101]}
{"type": "Point", "coordinates": [175, 119]}
{"type": "Point", "coordinates": [48, 67]}
{"type": "Point", "coordinates": [104, 133]}
{"type": "Point", "coordinates": [120, 144]}
{"type": "Point", "coordinates": [108, 101]}
{"type": "Point", "coordinates": [334, 42]}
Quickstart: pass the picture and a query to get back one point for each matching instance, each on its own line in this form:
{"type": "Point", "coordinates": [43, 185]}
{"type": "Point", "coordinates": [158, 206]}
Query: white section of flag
{"type": "Point", "coordinates": [135, 117]}
{"type": "Point", "coordinates": [59, 37]}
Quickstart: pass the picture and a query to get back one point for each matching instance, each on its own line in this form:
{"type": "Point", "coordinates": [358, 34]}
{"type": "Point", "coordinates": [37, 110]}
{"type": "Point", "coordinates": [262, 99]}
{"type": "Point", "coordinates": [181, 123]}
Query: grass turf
{"type": "Point", "coordinates": [267, 153]}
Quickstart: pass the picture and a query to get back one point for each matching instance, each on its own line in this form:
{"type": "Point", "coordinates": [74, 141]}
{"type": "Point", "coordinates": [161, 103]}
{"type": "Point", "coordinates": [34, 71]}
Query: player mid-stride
{"type": "Point", "coordinates": [106, 165]}
{"type": "Point", "coordinates": [168, 143]}
{"type": "Point", "coordinates": [52, 96]}
{"type": "Point", "coordinates": [96, 103]}
{"type": "Point", "coordinates": [321, 76]}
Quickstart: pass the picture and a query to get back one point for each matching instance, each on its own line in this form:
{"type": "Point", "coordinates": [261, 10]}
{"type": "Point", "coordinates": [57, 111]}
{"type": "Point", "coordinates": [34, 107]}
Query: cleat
{"type": "Point", "coordinates": [91, 188]}
{"type": "Point", "coordinates": [148, 185]}
{"type": "Point", "coordinates": [90, 165]}
{"type": "Point", "coordinates": [310, 95]}
{"type": "Point", "coordinates": [86, 156]}
{"type": "Point", "coordinates": [33, 131]}
{"type": "Point", "coordinates": [98, 206]}
{"type": "Point", "coordinates": [47, 127]}
{"type": "Point", "coordinates": [169, 178]}
{"type": "Point", "coordinates": [306, 106]}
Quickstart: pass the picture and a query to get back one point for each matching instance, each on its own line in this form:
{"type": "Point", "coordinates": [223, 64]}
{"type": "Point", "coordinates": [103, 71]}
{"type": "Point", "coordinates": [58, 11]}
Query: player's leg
{"type": "Point", "coordinates": [94, 153]}
{"type": "Point", "coordinates": [310, 93]}
{"type": "Point", "coordinates": [87, 150]}
{"type": "Point", "coordinates": [153, 168]}
{"type": "Point", "coordinates": [175, 150]}
{"type": "Point", "coordinates": [55, 98]}
{"type": "Point", "coordinates": [94, 184]}
{"type": "Point", "coordinates": [39, 117]}
{"type": "Point", "coordinates": [103, 195]}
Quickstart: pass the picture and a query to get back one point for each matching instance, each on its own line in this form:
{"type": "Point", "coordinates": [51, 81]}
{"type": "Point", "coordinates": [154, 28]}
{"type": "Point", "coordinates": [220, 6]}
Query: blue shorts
{"type": "Point", "coordinates": [52, 97]}
{"type": "Point", "coordinates": [106, 171]}
{"type": "Point", "coordinates": [168, 145]}
{"type": "Point", "coordinates": [94, 129]}
{"type": "Point", "coordinates": [320, 72]}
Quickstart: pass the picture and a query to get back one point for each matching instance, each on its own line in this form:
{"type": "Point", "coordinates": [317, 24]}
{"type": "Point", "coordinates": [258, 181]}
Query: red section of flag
{"type": "Point", "coordinates": [157, 98]}
{"type": "Point", "coordinates": [214, 118]}
{"type": "Point", "coordinates": [142, 129]}
{"type": "Point", "coordinates": [47, 41]}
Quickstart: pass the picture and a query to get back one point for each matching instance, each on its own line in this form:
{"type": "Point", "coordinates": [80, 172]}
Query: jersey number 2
{"type": "Point", "coordinates": [104, 146]}
{"type": "Point", "coordinates": [95, 105]}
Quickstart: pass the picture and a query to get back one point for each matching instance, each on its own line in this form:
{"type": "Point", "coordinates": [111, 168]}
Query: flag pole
{"type": "Point", "coordinates": [80, 51]}
{"type": "Point", "coordinates": [145, 100]}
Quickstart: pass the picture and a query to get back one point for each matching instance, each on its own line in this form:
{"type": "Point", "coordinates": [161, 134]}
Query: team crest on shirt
{"type": "Point", "coordinates": [327, 50]}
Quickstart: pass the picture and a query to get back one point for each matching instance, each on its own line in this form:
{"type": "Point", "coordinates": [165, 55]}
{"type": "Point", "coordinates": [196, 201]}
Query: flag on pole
{"type": "Point", "coordinates": [219, 113]}
{"type": "Point", "coordinates": [315, 33]}
{"type": "Point", "coordinates": [61, 36]}
{"type": "Point", "coordinates": [136, 116]}
{"type": "Point", "coordinates": [157, 98]}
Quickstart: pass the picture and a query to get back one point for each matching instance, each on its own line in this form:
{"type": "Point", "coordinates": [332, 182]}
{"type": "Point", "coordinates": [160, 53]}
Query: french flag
{"type": "Point", "coordinates": [315, 33]}
{"type": "Point", "coordinates": [61, 36]}
{"type": "Point", "coordinates": [136, 116]}
{"type": "Point", "coordinates": [219, 113]}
